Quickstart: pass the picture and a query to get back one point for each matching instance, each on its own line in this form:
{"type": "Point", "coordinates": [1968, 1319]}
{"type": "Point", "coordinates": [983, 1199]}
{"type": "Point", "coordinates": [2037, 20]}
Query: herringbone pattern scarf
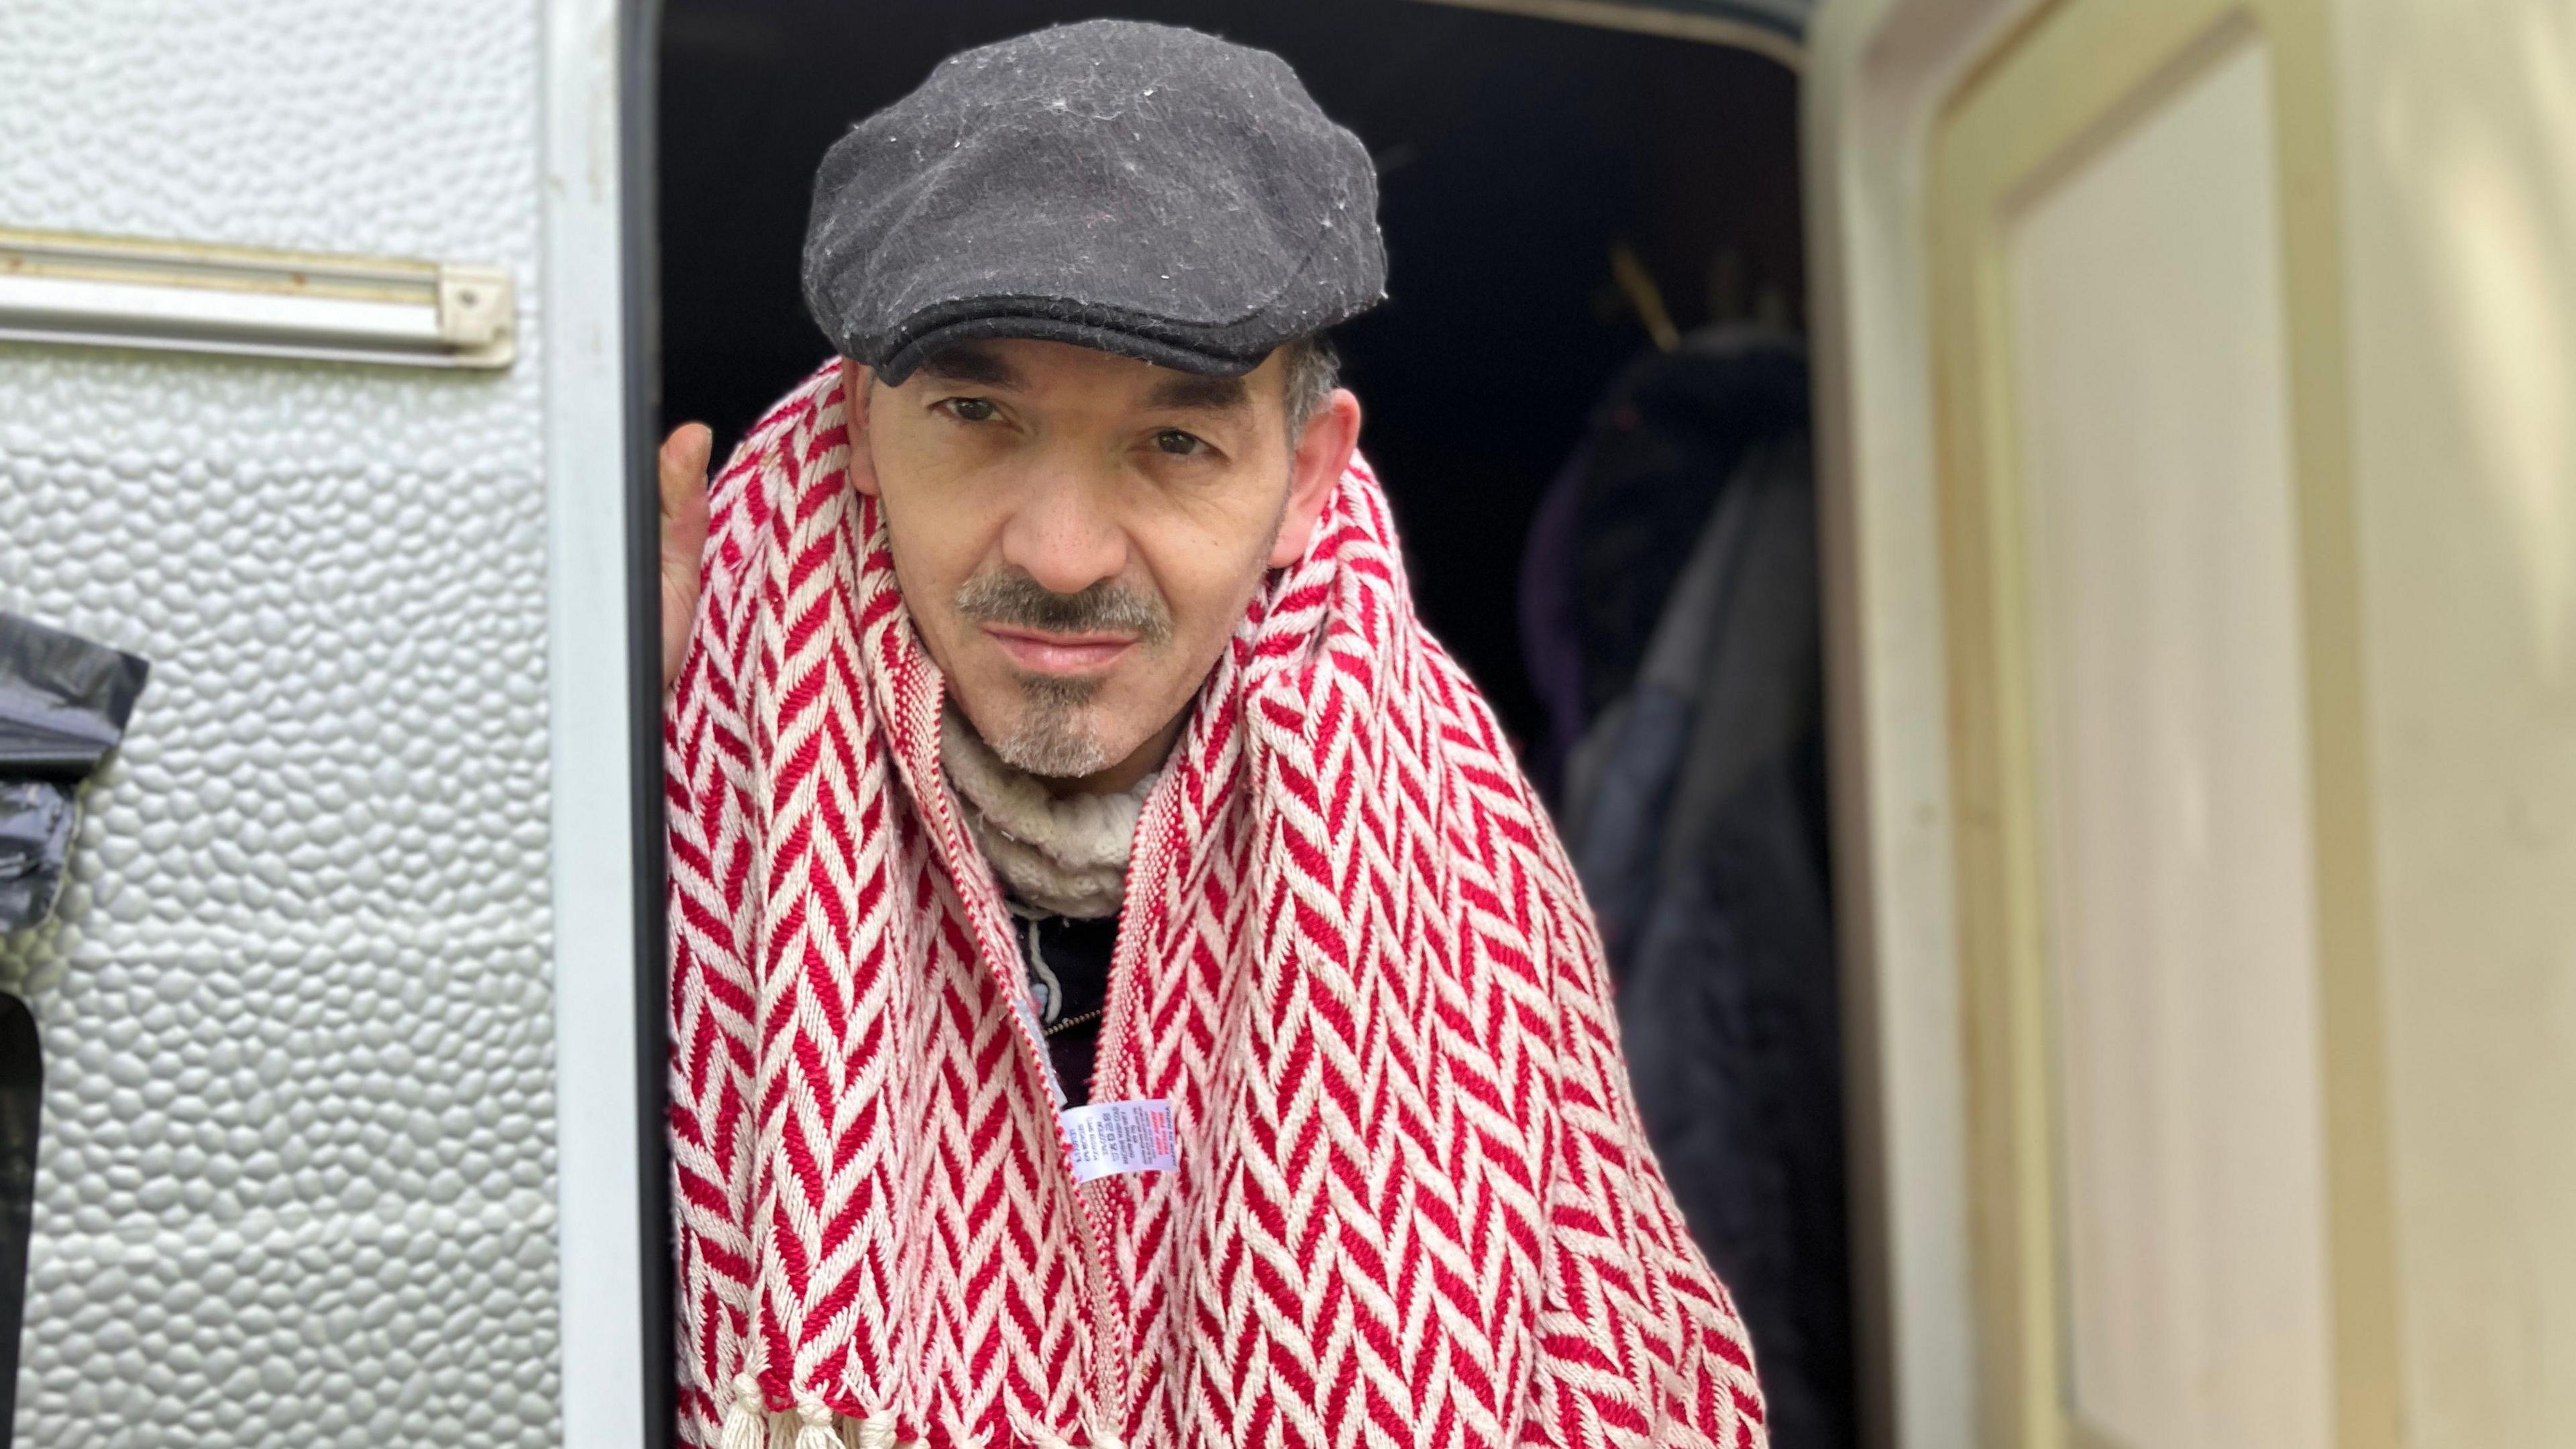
{"type": "Point", "coordinates": [1414, 1205]}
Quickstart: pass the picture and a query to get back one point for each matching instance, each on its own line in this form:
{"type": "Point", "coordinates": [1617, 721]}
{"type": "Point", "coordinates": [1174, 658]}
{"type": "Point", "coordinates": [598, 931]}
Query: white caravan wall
{"type": "Point", "coordinates": [297, 1180]}
{"type": "Point", "coordinates": [2459, 193]}
{"type": "Point", "coordinates": [1877, 72]}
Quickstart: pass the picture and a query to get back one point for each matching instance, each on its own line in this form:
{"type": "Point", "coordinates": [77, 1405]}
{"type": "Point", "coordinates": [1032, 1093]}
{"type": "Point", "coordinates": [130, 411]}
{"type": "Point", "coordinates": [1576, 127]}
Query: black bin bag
{"type": "Point", "coordinates": [64, 702]}
{"type": "Point", "coordinates": [22, 1090]}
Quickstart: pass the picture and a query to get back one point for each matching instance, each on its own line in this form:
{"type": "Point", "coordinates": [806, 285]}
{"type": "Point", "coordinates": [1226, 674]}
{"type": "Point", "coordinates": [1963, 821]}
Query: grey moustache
{"type": "Point", "coordinates": [1012, 598]}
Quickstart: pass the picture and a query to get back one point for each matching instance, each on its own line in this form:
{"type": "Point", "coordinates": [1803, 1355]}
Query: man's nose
{"type": "Point", "coordinates": [1064, 535]}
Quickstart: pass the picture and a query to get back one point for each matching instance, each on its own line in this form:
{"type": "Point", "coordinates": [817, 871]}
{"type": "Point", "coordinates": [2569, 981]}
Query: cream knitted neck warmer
{"type": "Point", "coordinates": [1063, 854]}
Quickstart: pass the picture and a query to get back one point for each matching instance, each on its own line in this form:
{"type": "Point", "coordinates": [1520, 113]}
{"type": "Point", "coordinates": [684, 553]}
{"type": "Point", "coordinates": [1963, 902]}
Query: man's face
{"type": "Point", "coordinates": [1077, 534]}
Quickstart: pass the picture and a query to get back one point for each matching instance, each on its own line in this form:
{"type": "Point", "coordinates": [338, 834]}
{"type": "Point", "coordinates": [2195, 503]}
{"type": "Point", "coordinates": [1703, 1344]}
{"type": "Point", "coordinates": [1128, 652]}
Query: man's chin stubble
{"type": "Point", "coordinates": [1049, 738]}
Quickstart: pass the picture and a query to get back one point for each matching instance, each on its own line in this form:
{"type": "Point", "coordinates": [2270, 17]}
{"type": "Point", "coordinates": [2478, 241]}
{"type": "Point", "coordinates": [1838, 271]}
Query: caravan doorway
{"type": "Point", "coordinates": [1515, 156]}
{"type": "Point", "coordinates": [1560, 203]}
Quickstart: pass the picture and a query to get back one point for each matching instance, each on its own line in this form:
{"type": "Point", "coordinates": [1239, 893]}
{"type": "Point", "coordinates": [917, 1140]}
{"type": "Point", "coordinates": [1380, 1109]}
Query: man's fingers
{"type": "Point", "coordinates": [684, 537]}
{"type": "Point", "coordinates": [684, 472]}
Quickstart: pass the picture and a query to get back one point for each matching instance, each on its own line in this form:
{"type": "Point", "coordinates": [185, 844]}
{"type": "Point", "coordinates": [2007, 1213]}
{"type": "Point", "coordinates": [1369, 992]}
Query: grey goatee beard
{"type": "Point", "coordinates": [1050, 738]}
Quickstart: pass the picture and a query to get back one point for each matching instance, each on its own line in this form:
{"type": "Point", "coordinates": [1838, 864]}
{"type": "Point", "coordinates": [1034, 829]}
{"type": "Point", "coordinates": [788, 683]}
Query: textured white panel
{"type": "Point", "coordinates": [2151, 387]}
{"type": "Point", "coordinates": [297, 1183]}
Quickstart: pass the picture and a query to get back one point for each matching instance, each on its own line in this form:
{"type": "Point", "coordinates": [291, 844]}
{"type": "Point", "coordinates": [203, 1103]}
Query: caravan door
{"type": "Point", "coordinates": [2194, 379]}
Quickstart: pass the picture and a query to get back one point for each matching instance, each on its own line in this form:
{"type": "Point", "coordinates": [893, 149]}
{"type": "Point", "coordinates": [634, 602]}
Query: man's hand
{"type": "Point", "coordinates": [684, 538]}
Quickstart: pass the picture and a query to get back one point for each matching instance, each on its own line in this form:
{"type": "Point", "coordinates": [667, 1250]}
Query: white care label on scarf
{"type": "Point", "coordinates": [1112, 1137]}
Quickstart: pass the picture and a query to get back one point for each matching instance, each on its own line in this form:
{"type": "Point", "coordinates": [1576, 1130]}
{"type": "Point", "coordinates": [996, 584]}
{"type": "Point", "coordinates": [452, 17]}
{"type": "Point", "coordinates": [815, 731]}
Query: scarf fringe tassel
{"type": "Point", "coordinates": [750, 1424]}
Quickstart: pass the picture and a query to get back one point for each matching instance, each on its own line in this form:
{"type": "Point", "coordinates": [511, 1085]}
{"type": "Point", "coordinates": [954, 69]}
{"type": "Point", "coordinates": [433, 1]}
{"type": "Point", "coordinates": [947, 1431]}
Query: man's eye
{"type": "Point", "coordinates": [1177, 443]}
{"type": "Point", "coordinates": [972, 409]}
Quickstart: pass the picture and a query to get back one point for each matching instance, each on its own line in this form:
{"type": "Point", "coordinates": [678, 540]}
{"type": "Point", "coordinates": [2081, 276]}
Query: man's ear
{"type": "Point", "coordinates": [1323, 455]}
{"type": "Point", "coordinates": [858, 382]}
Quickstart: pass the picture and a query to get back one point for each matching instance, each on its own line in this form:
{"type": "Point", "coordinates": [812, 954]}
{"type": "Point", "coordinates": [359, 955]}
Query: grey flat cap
{"type": "Point", "coordinates": [1140, 189]}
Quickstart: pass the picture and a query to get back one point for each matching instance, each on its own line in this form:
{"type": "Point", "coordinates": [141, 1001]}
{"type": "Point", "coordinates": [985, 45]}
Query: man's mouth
{"type": "Point", "coordinates": [1060, 654]}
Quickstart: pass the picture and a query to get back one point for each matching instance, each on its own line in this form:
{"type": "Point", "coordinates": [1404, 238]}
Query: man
{"type": "Point", "coordinates": [1123, 991]}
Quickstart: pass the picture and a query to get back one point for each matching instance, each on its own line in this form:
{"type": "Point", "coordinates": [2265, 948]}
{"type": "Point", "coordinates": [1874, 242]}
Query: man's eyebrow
{"type": "Point", "coordinates": [1190, 392]}
{"type": "Point", "coordinates": [968, 363]}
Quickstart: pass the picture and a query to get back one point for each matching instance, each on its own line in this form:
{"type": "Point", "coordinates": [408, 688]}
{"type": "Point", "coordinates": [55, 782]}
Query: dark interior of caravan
{"type": "Point", "coordinates": [1586, 396]}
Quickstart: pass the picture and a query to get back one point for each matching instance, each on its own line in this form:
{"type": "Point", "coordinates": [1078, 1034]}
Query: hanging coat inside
{"type": "Point", "coordinates": [1694, 806]}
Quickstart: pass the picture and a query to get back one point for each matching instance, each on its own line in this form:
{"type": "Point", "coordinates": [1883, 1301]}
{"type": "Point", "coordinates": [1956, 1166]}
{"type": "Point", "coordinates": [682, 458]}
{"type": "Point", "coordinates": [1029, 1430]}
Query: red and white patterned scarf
{"type": "Point", "coordinates": [1413, 1204]}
